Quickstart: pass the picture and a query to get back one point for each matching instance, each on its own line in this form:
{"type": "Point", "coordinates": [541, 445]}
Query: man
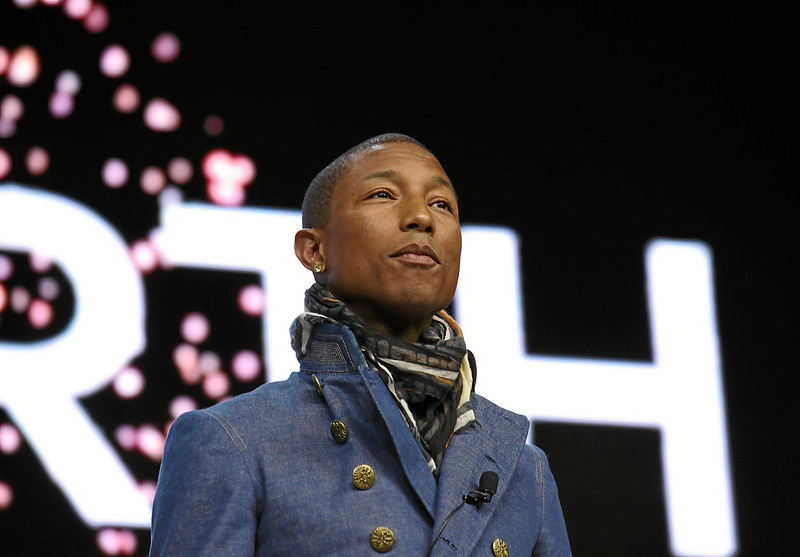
{"type": "Point", "coordinates": [378, 443]}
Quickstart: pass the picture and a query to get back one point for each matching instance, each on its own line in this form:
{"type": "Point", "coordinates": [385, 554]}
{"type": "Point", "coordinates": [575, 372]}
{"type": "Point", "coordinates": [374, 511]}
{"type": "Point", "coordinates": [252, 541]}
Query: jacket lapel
{"type": "Point", "coordinates": [408, 451]}
{"type": "Point", "coordinates": [494, 445]}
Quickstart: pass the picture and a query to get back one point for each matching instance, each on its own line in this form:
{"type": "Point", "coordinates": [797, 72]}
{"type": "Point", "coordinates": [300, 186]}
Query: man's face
{"type": "Point", "coordinates": [392, 246]}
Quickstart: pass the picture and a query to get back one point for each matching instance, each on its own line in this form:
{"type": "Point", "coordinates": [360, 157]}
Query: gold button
{"type": "Point", "coordinates": [363, 476]}
{"type": "Point", "coordinates": [381, 539]}
{"type": "Point", "coordinates": [499, 548]}
{"type": "Point", "coordinates": [339, 431]}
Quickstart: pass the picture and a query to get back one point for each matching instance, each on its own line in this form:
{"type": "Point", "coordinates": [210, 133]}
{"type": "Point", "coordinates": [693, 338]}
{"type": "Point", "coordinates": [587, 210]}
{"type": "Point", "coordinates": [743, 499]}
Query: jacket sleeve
{"type": "Point", "coordinates": [553, 539]}
{"type": "Point", "coordinates": [204, 504]}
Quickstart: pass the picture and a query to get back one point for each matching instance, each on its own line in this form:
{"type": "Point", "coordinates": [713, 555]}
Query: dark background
{"type": "Point", "coordinates": [587, 127]}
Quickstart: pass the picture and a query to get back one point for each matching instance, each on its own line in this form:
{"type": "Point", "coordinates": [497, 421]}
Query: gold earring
{"type": "Point", "coordinates": [317, 268]}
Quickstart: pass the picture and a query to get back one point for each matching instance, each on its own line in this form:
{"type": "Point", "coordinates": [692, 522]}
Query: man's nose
{"type": "Point", "coordinates": [417, 215]}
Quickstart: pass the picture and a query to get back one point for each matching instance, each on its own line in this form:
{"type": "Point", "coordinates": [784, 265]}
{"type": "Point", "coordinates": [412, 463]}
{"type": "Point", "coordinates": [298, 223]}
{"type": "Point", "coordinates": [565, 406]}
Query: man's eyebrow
{"type": "Point", "coordinates": [391, 173]}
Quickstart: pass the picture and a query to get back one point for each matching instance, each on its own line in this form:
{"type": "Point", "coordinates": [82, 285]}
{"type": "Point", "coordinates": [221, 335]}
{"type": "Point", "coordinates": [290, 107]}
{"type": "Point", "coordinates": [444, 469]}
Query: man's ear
{"type": "Point", "coordinates": [308, 248]}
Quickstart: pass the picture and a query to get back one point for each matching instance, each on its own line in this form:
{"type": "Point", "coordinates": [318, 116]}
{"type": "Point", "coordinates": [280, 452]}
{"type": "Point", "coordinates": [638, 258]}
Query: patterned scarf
{"type": "Point", "coordinates": [431, 380]}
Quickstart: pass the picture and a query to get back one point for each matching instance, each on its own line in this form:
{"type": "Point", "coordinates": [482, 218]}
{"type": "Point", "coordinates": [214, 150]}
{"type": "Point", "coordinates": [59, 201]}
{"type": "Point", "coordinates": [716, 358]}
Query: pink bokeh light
{"type": "Point", "coordinates": [6, 267]}
{"type": "Point", "coordinates": [152, 180]}
{"type": "Point", "coordinates": [115, 61]}
{"type": "Point", "coordinates": [165, 47]}
{"type": "Point", "coordinates": [3, 297]}
{"type": "Point", "coordinates": [148, 490]}
{"type": "Point", "coordinates": [20, 298]}
{"type": "Point", "coordinates": [129, 382]}
{"type": "Point", "coordinates": [77, 9]}
{"type": "Point", "coordinates": [5, 58]}
{"type": "Point", "coordinates": [126, 98]}
{"type": "Point", "coordinates": [246, 365]}
{"type": "Point", "coordinates": [181, 404]}
{"type": "Point", "coordinates": [6, 495]}
{"type": "Point", "coordinates": [5, 163]}
{"type": "Point", "coordinates": [7, 129]}
{"type": "Point", "coordinates": [24, 67]}
{"type": "Point", "coordinates": [125, 436]}
{"type": "Point", "coordinates": [40, 313]}
{"type": "Point", "coordinates": [186, 358]}
{"type": "Point", "coordinates": [144, 255]}
{"type": "Point", "coordinates": [37, 160]}
{"type": "Point", "coordinates": [69, 82]}
{"type": "Point", "coordinates": [10, 439]}
{"type": "Point", "coordinates": [150, 441]}
{"type": "Point", "coordinates": [216, 385]}
{"type": "Point", "coordinates": [96, 20]}
{"type": "Point", "coordinates": [49, 288]}
{"type": "Point", "coordinates": [227, 175]}
{"type": "Point", "coordinates": [11, 108]}
{"type": "Point", "coordinates": [209, 362]}
{"type": "Point", "coordinates": [170, 194]}
{"type": "Point", "coordinates": [161, 116]}
{"type": "Point", "coordinates": [180, 170]}
{"type": "Point", "coordinates": [61, 104]}
{"type": "Point", "coordinates": [223, 166]}
{"type": "Point", "coordinates": [115, 173]}
{"type": "Point", "coordinates": [195, 328]}
{"type": "Point", "coordinates": [252, 300]}
{"type": "Point", "coordinates": [113, 541]}
{"type": "Point", "coordinates": [40, 263]}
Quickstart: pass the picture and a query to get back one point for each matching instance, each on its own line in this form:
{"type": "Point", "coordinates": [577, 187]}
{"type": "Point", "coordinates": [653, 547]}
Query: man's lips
{"type": "Point", "coordinates": [417, 253]}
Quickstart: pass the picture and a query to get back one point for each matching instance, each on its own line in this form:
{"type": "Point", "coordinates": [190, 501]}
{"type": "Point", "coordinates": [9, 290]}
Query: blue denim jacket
{"type": "Point", "coordinates": [262, 474]}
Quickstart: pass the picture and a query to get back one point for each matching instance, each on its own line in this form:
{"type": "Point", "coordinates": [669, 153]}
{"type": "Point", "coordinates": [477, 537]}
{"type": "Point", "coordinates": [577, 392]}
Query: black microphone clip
{"type": "Point", "coordinates": [486, 489]}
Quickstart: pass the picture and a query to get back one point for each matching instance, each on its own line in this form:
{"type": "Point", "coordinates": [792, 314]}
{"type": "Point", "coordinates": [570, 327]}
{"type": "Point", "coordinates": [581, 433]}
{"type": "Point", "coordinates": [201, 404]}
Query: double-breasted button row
{"type": "Point", "coordinates": [382, 538]}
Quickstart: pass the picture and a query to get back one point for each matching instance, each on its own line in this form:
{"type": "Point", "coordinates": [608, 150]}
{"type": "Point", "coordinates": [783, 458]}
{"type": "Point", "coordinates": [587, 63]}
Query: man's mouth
{"type": "Point", "coordinates": [417, 253]}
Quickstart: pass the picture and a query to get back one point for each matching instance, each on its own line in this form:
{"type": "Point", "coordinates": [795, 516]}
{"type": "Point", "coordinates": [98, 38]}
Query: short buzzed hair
{"type": "Point", "coordinates": [317, 199]}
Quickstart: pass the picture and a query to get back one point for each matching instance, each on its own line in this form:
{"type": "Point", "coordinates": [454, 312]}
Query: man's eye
{"type": "Point", "coordinates": [442, 205]}
{"type": "Point", "coordinates": [381, 194]}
